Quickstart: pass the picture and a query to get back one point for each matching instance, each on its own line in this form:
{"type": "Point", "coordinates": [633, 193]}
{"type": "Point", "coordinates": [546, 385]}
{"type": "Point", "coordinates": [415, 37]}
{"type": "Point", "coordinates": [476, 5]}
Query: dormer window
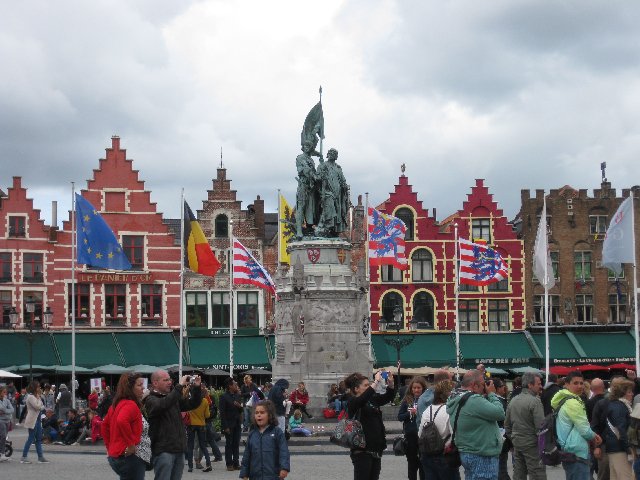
{"type": "Point", "coordinates": [17, 226]}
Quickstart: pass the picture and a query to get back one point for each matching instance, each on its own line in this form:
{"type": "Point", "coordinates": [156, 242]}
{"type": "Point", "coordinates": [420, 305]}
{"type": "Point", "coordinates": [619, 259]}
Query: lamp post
{"type": "Point", "coordinates": [47, 317]}
{"type": "Point", "coordinates": [399, 343]}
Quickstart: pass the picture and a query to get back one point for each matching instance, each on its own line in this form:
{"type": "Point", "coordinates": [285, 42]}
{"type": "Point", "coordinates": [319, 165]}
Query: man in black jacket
{"type": "Point", "coordinates": [553, 386]}
{"type": "Point", "coordinates": [166, 430]}
{"type": "Point", "coordinates": [230, 415]}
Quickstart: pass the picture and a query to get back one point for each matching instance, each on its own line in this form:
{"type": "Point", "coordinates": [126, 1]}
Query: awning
{"type": "Point", "coordinates": [149, 348]}
{"type": "Point", "coordinates": [14, 349]}
{"type": "Point", "coordinates": [508, 349]}
{"type": "Point", "coordinates": [92, 349]}
{"type": "Point", "coordinates": [433, 349]}
{"type": "Point", "coordinates": [561, 348]}
{"type": "Point", "coordinates": [248, 352]}
{"type": "Point", "coordinates": [606, 347]}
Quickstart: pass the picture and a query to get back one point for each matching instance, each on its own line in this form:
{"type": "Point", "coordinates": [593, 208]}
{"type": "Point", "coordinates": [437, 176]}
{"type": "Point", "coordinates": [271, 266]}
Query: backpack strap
{"type": "Point", "coordinates": [432, 416]}
{"type": "Point", "coordinates": [463, 400]}
{"type": "Point", "coordinates": [556, 412]}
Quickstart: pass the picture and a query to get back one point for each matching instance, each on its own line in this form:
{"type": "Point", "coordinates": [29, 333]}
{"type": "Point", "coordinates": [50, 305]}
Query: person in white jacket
{"type": "Point", "coordinates": [33, 422]}
{"type": "Point", "coordinates": [6, 412]}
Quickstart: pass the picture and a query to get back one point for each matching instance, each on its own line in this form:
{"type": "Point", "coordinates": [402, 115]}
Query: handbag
{"type": "Point", "coordinates": [451, 453]}
{"type": "Point", "coordinates": [399, 446]}
{"type": "Point", "coordinates": [349, 434]}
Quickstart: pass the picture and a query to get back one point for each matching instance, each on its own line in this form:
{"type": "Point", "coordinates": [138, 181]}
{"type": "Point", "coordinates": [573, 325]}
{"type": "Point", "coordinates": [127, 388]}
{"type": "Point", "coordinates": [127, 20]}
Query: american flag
{"type": "Point", "coordinates": [480, 265]}
{"type": "Point", "coordinates": [386, 240]}
{"type": "Point", "coordinates": [248, 271]}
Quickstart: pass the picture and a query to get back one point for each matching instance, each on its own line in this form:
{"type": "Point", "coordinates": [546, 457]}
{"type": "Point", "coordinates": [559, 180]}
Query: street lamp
{"type": "Point", "coordinates": [398, 343]}
{"type": "Point", "coordinates": [47, 318]}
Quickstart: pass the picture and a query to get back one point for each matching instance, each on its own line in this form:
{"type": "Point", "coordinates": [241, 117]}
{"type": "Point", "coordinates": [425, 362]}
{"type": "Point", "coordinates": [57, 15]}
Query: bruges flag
{"type": "Point", "coordinates": [198, 255]}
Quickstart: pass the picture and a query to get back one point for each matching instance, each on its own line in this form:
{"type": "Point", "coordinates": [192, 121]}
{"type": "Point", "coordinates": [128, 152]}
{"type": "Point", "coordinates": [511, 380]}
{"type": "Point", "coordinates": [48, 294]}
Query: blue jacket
{"type": "Point", "coordinates": [276, 395]}
{"type": "Point", "coordinates": [265, 455]}
{"type": "Point", "coordinates": [572, 426]}
{"type": "Point", "coordinates": [618, 415]}
{"type": "Point", "coordinates": [424, 401]}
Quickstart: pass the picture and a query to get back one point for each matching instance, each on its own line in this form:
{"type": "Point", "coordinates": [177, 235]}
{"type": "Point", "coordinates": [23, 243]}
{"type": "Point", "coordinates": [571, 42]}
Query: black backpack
{"type": "Point", "coordinates": [548, 445]}
{"type": "Point", "coordinates": [430, 442]}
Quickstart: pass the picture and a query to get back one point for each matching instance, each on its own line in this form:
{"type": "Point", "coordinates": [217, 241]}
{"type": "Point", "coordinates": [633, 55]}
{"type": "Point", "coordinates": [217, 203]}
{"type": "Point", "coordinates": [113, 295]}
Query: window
{"type": "Point", "coordinates": [481, 229]}
{"type": "Point", "coordinates": [32, 268]}
{"type": "Point", "coordinates": [554, 308]}
{"type": "Point", "coordinates": [391, 274]}
{"type": "Point", "coordinates": [389, 302]}
{"type": "Point", "coordinates": [468, 315]}
{"type": "Point", "coordinates": [501, 286]}
{"type": "Point", "coordinates": [133, 246]}
{"type": "Point", "coordinates": [422, 266]}
{"type": "Point", "coordinates": [617, 308]}
{"type": "Point", "coordinates": [499, 315]}
{"type": "Point", "coordinates": [423, 310]}
{"type": "Point", "coordinates": [555, 264]}
{"type": "Point", "coordinates": [221, 226]}
{"type": "Point", "coordinates": [220, 312]}
{"type": "Point", "coordinates": [115, 302]}
{"type": "Point", "coordinates": [465, 287]}
{"type": "Point", "coordinates": [17, 226]}
{"type": "Point", "coordinates": [247, 309]}
{"type": "Point", "coordinates": [612, 275]}
{"type": "Point", "coordinates": [5, 308]}
{"type": "Point", "coordinates": [32, 309]}
{"type": "Point", "coordinates": [196, 309]}
{"type": "Point", "coordinates": [83, 299]}
{"type": "Point", "coordinates": [5, 267]}
{"type": "Point", "coordinates": [582, 264]}
{"type": "Point", "coordinates": [597, 224]}
{"type": "Point", "coordinates": [406, 215]}
{"type": "Point", "coordinates": [548, 223]}
{"type": "Point", "coordinates": [584, 306]}
{"type": "Point", "coordinates": [151, 301]}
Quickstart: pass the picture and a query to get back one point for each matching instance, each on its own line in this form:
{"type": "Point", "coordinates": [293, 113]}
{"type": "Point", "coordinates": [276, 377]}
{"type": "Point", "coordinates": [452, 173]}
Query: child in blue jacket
{"type": "Point", "coordinates": [266, 456]}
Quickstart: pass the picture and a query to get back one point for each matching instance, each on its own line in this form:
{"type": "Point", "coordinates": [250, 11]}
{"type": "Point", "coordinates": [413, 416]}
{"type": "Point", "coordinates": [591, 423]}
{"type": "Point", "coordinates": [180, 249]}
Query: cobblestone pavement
{"type": "Point", "coordinates": [312, 457]}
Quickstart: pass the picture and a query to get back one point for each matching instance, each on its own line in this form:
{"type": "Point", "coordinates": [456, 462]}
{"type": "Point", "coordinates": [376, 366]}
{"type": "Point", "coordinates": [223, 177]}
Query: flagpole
{"type": "Point", "coordinates": [279, 231]}
{"type": "Point", "coordinates": [635, 283]}
{"type": "Point", "coordinates": [457, 286]}
{"type": "Point", "coordinates": [368, 274]}
{"type": "Point", "coordinates": [74, 258]}
{"type": "Point", "coordinates": [231, 302]}
{"type": "Point", "coordinates": [181, 281]}
{"type": "Point", "coordinates": [543, 218]}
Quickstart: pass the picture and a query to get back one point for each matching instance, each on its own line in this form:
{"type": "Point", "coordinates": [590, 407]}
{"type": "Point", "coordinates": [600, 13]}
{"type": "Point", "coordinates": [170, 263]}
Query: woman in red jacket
{"type": "Point", "coordinates": [122, 430]}
{"type": "Point", "coordinates": [299, 398]}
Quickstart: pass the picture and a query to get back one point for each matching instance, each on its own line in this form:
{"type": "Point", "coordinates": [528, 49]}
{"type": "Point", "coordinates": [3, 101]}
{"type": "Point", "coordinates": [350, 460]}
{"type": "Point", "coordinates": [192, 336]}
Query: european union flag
{"type": "Point", "coordinates": [97, 245]}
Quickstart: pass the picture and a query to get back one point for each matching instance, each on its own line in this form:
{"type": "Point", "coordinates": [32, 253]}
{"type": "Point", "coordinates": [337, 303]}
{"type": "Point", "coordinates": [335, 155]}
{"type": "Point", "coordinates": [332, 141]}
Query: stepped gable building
{"type": "Point", "coordinates": [26, 259]}
{"type": "Point", "coordinates": [426, 291]}
{"type": "Point", "coordinates": [146, 296]}
{"type": "Point", "coordinates": [585, 294]}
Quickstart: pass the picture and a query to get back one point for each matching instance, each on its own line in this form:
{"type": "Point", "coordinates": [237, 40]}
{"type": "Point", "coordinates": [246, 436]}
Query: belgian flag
{"type": "Point", "coordinates": [198, 255]}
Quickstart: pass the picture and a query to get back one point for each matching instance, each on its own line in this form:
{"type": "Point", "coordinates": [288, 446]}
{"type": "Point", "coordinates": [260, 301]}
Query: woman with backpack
{"type": "Point", "coordinates": [434, 434]}
{"type": "Point", "coordinates": [364, 405]}
{"type": "Point", "coordinates": [407, 415]}
{"type": "Point", "coordinates": [615, 434]}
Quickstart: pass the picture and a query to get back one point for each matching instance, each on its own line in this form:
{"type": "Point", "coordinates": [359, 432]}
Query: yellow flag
{"type": "Point", "coordinates": [286, 228]}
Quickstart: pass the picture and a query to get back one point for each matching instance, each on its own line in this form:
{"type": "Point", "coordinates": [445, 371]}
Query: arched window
{"type": "Point", "coordinates": [389, 302]}
{"type": "Point", "coordinates": [406, 216]}
{"type": "Point", "coordinates": [421, 266]}
{"type": "Point", "coordinates": [222, 226]}
{"type": "Point", "coordinates": [423, 310]}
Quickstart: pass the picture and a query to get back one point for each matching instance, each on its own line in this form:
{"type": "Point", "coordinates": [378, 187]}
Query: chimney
{"type": "Point", "coordinates": [259, 216]}
{"type": "Point", "coordinates": [54, 213]}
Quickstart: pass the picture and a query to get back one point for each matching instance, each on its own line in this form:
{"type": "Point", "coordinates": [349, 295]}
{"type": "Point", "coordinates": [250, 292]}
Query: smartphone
{"type": "Point", "coordinates": [384, 375]}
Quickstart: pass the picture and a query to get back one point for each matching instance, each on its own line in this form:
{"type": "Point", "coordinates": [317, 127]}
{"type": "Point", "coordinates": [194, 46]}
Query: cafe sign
{"type": "Point", "coordinates": [115, 277]}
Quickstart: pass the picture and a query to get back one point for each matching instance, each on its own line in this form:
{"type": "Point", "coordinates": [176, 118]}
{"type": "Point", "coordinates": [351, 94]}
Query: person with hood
{"type": "Point", "coordinates": [477, 434]}
{"type": "Point", "coordinates": [278, 395]}
{"type": "Point", "coordinates": [64, 401]}
{"type": "Point", "coordinates": [572, 427]}
{"type": "Point", "coordinates": [553, 386]}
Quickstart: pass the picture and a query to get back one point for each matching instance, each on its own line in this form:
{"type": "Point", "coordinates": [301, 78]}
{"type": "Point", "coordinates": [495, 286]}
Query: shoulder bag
{"type": "Point", "coordinates": [349, 433]}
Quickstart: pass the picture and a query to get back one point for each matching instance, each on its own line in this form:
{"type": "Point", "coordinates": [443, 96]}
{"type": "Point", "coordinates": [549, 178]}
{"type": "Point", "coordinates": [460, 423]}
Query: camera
{"type": "Point", "coordinates": [384, 375]}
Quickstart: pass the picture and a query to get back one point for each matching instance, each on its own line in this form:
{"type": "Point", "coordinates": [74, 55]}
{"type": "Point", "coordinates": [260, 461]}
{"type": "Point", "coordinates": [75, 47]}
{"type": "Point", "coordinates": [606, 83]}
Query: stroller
{"type": "Point", "coordinates": [8, 447]}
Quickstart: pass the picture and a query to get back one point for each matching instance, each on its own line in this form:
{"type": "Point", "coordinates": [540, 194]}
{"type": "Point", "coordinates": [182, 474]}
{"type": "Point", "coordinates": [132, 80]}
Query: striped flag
{"type": "Point", "coordinates": [480, 265]}
{"type": "Point", "coordinates": [198, 255]}
{"type": "Point", "coordinates": [248, 271]}
{"type": "Point", "coordinates": [386, 240]}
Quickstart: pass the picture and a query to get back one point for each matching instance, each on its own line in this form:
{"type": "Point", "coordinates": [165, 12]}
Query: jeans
{"type": "Point", "coordinates": [414, 466]}
{"type": "Point", "coordinates": [168, 466]}
{"type": "Point", "coordinates": [246, 417]}
{"type": "Point", "coordinates": [576, 470]}
{"type": "Point", "coordinates": [232, 447]}
{"type": "Point", "coordinates": [35, 435]}
{"type": "Point", "coordinates": [130, 467]}
{"type": "Point", "coordinates": [437, 468]}
{"type": "Point", "coordinates": [479, 466]}
{"type": "Point", "coordinates": [211, 441]}
{"type": "Point", "coordinates": [192, 432]}
{"type": "Point", "coordinates": [636, 468]}
{"type": "Point", "coordinates": [4, 429]}
{"type": "Point", "coordinates": [365, 466]}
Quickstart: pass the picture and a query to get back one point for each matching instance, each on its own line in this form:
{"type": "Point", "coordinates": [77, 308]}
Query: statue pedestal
{"type": "Point", "coordinates": [321, 319]}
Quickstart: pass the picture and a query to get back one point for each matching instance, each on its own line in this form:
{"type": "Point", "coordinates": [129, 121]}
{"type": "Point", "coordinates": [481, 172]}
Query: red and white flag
{"type": "Point", "coordinates": [248, 271]}
{"type": "Point", "coordinates": [386, 240]}
{"type": "Point", "coordinates": [480, 265]}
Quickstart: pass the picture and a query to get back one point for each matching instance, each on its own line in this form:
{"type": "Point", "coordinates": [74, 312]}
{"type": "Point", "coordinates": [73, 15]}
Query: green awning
{"type": "Point", "coordinates": [561, 348]}
{"type": "Point", "coordinates": [432, 349]}
{"type": "Point", "coordinates": [248, 352]}
{"type": "Point", "coordinates": [149, 348]}
{"type": "Point", "coordinates": [498, 349]}
{"type": "Point", "coordinates": [609, 347]}
{"type": "Point", "coordinates": [14, 349]}
{"type": "Point", "coordinates": [92, 349]}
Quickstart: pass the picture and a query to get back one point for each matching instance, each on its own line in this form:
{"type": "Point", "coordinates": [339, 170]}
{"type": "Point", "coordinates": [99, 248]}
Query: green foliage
{"type": "Point", "coordinates": [215, 396]}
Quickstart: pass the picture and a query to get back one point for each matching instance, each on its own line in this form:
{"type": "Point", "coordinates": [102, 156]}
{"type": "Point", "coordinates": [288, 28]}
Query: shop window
{"type": "Point", "coordinates": [423, 312]}
{"type": "Point", "coordinates": [220, 310]}
{"type": "Point", "coordinates": [115, 302]}
{"type": "Point", "coordinates": [389, 302]}
{"type": "Point", "coordinates": [468, 315]}
{"type": "Point", "coordinates": [196, 310]}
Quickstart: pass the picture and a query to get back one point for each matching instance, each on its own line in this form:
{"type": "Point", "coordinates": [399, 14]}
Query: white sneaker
{"type": "Point", "coordinates": [24, 460]}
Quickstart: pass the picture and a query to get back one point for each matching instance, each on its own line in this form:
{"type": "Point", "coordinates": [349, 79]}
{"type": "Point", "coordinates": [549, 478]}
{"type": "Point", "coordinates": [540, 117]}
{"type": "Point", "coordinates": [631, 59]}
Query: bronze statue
{"type": "Point", "coordinates": [307, 195]}
{"type": "Point", "coordinates": [334, 197]}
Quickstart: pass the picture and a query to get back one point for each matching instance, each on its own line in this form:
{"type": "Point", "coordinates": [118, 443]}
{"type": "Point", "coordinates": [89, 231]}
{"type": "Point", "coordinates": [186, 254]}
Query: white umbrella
{"type": "Point", "coordinates": [5, 374]}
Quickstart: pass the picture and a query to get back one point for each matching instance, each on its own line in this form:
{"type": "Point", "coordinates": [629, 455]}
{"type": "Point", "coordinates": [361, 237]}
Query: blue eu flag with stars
{"type": "Point", "coordinates": [97, 245]}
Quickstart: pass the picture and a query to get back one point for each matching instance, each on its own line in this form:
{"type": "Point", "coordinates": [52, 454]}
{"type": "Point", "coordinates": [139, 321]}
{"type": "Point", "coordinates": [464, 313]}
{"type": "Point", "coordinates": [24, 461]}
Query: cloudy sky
{"type": "Point", "coordinates": [525, 94]}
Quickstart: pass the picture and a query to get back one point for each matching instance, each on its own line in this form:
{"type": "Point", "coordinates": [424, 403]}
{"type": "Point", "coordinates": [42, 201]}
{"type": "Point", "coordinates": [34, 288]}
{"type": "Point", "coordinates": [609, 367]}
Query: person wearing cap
{"type": "Point", "coordinates": [63, 401]}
